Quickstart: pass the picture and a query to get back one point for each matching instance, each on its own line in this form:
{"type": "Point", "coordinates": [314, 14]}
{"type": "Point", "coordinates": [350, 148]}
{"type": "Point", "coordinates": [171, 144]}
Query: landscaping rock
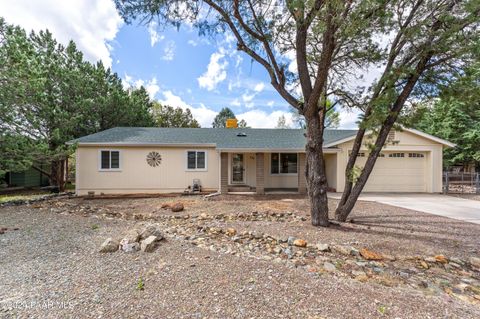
{"type": "Point", "coordinates": [290, 240]}
{"type": "Point", "coordinates": [300, 243]}
{"type": "Point", "coordinates": [151, 230]}
{"type": "Point", "coordinates": [177, 207]}
{"type": "Point", "coordinates": [323, 247]}
{"type": "Point", "coordinates": [231, 232]}
{"type": "Point", "coordinates": [344, 250]}
{"type": "Point", "coordinates": [357, 273]}
{"type": "Point", "coordinates": [148, 245]}
{"type": "Point", "coordinates": [129, 247]}
{"type": "Point", "coordinates": [133, 236]}
{"type": "Point", "coordinates": [441, 259]}
{"type": "Point", "coordinates": [370, 255]}
{"type": "Point", "coordinates": [109, 246]}
{"type": "Point", "coordinates": [431, 259]}
{"type": "Point", "coordinates": [475, 262]}
{"type": "Point", "coordinates": [166, 206]}
{"type": "Point", "coordinates": [424, 265]}
{"type": "Point", "coordinates": [329, 266]}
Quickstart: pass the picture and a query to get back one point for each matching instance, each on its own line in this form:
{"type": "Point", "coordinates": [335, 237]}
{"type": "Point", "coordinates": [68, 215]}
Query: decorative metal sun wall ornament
{"type": "Point", "coordinates": [154, 159]}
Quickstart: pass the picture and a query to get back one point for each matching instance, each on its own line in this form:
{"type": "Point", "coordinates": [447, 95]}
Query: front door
{"type": "Point", "coordinates": [238, 169]}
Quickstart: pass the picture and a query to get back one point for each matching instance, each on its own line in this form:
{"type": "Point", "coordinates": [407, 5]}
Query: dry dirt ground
{"type": "Point", "coordinates": [230, 257]}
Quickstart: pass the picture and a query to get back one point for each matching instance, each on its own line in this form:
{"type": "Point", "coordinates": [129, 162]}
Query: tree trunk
{"type": "Point", "coordinates": [345, 209]}
{"type": "Point", "coordinates": [57, 176]}
{"type": "Point", "coordinates": [315, 172]}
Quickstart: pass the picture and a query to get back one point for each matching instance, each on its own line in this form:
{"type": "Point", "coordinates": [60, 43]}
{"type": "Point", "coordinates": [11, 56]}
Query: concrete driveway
{"type": "Point", "coordinates": [443, 205]}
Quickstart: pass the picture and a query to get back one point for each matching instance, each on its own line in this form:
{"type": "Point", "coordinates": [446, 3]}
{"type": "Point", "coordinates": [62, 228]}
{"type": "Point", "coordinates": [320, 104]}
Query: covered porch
{"type": "Point", "coordinates": [267, 172]}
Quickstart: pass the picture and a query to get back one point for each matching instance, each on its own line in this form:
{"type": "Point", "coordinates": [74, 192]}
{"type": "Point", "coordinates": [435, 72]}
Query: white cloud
{"type": "Point", "coordinates": [202, 114]}
{"type": "Point", "coordinates": [151, 85]}
{"type": "Point", "coordinates": [248, 99]}
{"type": "Point", "coordinates": [261, 119]}
{"type": "Point", "coordinates": [169, 51]}
{"type": "Point", "coordinates": [193, 43]}
{"type": "Point", "coordinates": [235, 102]}
{"type": "Point", "coordinates": [270, 103]}
{"type": "Point", "coordinates": [259, 87]}
{"type": "Point", "coordinates": [348, 118]}
{"type": "Point", "coordinates": [155, 37]}
{"type": "Point", "coordinates": [216, 72]}
{"type": "Point", "coordinates": [91, 24]}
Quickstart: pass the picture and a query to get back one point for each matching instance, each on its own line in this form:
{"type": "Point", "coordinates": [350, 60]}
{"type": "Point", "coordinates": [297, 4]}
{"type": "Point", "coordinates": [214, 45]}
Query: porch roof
{"type": "Point", "coordinates": [221, 138]}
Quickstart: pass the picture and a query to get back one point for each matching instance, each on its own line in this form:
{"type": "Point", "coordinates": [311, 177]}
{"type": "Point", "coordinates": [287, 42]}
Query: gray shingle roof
{"type": "Point", "coordinates": [222, 138]}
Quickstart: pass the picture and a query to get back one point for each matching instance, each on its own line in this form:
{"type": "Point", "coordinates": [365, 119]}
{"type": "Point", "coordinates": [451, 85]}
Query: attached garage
{"type": "Point", "coordinates": [398, 172]}
{"type": "Point", "coordinates": [411, 161]}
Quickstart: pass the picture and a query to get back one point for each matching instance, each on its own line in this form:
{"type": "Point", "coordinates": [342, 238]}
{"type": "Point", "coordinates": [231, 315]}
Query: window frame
{"type": "Point", "coordinates": [280, 164]}
{"type": "Point", "coordinates": [196, 161]}
{"type": "Point", "coordinates": [416, 155]}
{"type": "Point", "coordinates": [110, 169]}
{"type": "Point", "coordinates": [394, 153]}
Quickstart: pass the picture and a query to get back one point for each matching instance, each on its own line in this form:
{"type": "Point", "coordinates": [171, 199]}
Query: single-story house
{"type": "Point", "coordinates": [165, 160]}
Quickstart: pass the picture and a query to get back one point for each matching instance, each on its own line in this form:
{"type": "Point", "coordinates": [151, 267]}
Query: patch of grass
{"type": "Point", "coordinates": [382, 309]}
{"type": "Point", "coordinates": [14, 197]}
{"type": "Point", "coordinates": [140, 284]}
{"type": "Point", "coordinates": [95, 227]}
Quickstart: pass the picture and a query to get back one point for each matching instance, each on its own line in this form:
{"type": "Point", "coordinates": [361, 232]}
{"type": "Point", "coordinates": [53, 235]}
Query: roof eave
{"type": "Point", "coordinates": [143, 144]}
{"type": "Point", "coordinates": [411, 130]}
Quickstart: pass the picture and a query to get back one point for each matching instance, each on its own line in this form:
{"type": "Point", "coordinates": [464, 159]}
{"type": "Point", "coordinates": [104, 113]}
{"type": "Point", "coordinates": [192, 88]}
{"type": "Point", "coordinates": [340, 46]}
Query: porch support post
{"type": "Point", "coordinates": [224, 173]}
{"type": "Point", "coordinates": [302, 182]}
{"type": "Point", "coordinates": [260, 173]}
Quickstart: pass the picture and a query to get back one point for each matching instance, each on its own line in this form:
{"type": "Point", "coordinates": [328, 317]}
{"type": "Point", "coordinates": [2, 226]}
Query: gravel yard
{"type": "Point", "coordinates": [51, 268]}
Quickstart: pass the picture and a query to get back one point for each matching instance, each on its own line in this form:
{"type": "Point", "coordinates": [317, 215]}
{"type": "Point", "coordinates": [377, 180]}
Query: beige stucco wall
{"type": "Point", "coordinates": [407, 142]}
{"type": "Point", "coordinates": [331, 168]}
{"type": "Point", "coordinates": [136, 176]}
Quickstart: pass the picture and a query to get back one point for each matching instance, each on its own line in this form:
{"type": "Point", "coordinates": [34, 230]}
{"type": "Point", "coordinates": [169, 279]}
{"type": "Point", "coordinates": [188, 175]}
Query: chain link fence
{"type": "Point", "coordinates": [461, 183]}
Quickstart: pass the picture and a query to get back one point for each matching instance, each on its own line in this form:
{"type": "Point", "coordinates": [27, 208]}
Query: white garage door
{"type": "Point", "coordinates": [397, 172]}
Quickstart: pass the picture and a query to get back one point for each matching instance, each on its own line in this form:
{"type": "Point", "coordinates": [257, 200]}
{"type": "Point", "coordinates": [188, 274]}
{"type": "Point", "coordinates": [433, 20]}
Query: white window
{"type": "Point", "coordinates": [283, 163]}
{"type": "Point", "coordinates": [196, 160]}
{"type": "Point", "coordinates": [109, 160]}
{"type": "Point", "coordinates": [396, 155]}
{"type": "Point", "coordinates": [415, 155]}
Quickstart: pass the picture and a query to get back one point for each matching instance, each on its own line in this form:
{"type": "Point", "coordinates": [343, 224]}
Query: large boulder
{"type": "Point", "coordinates": [132, 236]}
{"type": "Point", "coordinates": [130, 242]}
{"type": "Point", "coordinates": [109, 246]}
{"type": "Point", "coordinates": [148, 245]}
{"type": "Point", "coordinates": [129, 247]}
{"type": "Point", "coordinates": [151, 230]}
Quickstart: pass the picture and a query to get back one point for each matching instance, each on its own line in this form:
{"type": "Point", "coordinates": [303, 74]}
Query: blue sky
{"type": "Point", "coordinates": [178, 67]}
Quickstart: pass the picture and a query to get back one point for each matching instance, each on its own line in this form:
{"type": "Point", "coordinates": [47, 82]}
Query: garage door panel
{"type": "Point", "coordinates": [392, 174]}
